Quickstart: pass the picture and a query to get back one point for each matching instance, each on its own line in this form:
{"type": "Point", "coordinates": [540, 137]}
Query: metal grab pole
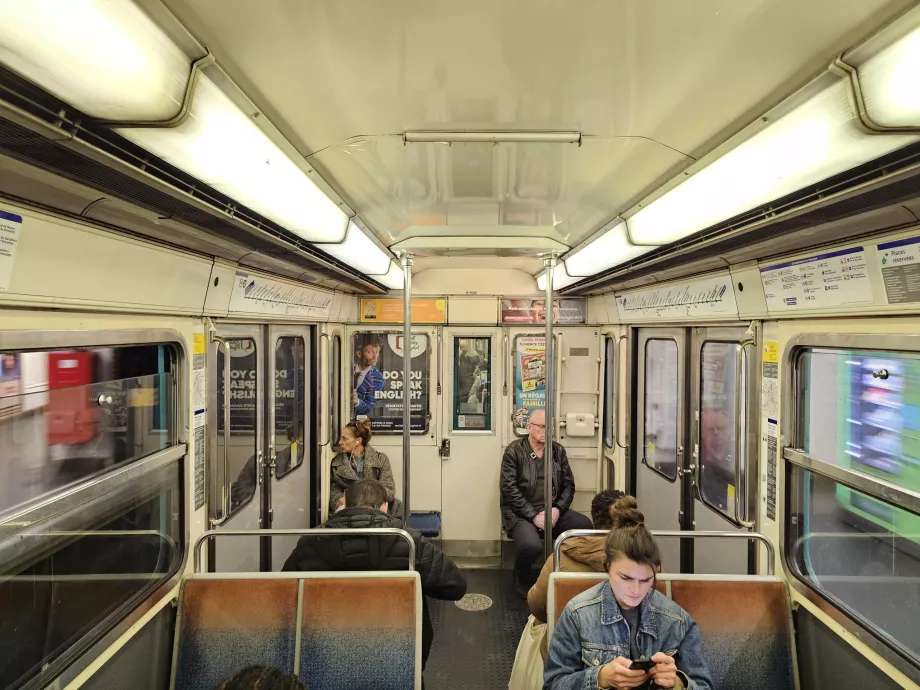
{"type": "Point", "coordinates": [550, 263]}
{"type": "Point", "coordinates": [406, 261]}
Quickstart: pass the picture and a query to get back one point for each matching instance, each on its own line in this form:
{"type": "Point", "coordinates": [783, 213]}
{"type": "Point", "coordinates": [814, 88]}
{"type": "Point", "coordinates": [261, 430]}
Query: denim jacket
{"type": "Point", "coordinates": [592, 632]}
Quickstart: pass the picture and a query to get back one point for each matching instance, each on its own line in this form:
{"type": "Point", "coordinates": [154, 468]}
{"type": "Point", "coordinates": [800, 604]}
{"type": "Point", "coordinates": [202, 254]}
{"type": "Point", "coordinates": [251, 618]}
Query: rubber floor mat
{"type": "Point", "coordinates": [474, 650]}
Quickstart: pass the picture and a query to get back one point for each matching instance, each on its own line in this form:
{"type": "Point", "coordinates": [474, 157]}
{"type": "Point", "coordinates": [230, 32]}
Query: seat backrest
{"type": "Point", "coordinates": [746, 631]}
{"type": "Point", "coordinates": [336, 631]}
{"type": "Point", "coordinates": [566, 586]}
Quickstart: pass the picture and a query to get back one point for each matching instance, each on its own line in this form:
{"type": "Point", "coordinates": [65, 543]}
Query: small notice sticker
{"type": "Point", "coordinates": [199, 344]}
{"type": "Point", "coordinates": [10, 230]}
{"type": "Point", "coordinates": [771, 351]}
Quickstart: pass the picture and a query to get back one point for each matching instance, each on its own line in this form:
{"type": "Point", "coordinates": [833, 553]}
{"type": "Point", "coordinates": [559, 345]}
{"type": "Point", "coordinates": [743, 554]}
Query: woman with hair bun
{"type": "Point", "coordinates": [604, 631]}
{"type": "Point", "coordinates": [357, 460]}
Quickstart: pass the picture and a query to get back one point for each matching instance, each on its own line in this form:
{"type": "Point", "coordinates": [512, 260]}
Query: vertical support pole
{"type": "Point", "coordinates": [406, 261]}
{"type": "Point", "coordinates": [550, 263]}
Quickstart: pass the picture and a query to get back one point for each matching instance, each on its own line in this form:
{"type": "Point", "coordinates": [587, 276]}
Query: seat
{"type": "Point", "coordinates": [429, 524]}
{"type": "Point", "coordinates": [566, 586]}
{"type": "Point", "coordinates": [336, 631]}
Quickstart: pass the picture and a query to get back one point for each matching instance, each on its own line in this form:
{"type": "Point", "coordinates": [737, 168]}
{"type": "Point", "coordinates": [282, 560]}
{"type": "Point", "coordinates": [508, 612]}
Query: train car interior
{"type": "Point", "coordinates": [252, 252]}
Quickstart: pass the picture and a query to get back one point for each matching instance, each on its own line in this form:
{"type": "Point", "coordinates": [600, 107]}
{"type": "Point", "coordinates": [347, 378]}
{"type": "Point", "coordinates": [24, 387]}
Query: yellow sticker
{"type": "Point", "coordinates": [199, 344]}
{"type": "Point", "coordinates": [771, 351]}
{"type": "Point", "coordinates": [731, 498]}
{"type": "Point", "coordinates": [141, 397]}
{"type": "Point", "coordinates": [651, 447]}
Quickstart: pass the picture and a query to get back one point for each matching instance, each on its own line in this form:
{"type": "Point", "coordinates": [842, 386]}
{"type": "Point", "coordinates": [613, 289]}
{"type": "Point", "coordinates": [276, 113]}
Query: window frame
{"type": "Point", "coordinates": [454, 412]}
{"type": "Point", "coordinates": [67, 508]}
{"type": "Point", "coordinates": [794, 463]}
{"type": "Point", "coordinates": [278, 337]}
{"type": "Point", "coordinates": [645, 401]}
{"type": "Point", "coordinates": [609, 389]}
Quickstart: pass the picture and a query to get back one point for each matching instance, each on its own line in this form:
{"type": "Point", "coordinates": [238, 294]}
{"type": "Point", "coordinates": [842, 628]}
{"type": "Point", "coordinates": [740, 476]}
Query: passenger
{"type": "Point", "coordinates": [366, 508]}
{"type": "Point", "coordinates": [262, 678]}
{"type": "Point", "coordinates": [524, 516]}
{"type": "Point", "coordinates": [603, 630]}
{"type": "Point", "coordinates": [357, 460]}
{"type": "Point", "coordinates": [578, 554]}
{"type": "Point", "coordinates": [717, 468]}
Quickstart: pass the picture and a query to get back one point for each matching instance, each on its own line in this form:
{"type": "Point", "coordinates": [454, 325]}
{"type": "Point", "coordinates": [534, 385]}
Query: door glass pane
{"type": "Point", "coordinates": [69, 415]}
{"type": "Point", "coordinates": [661, 407]}
{"type": "Point", "coordinates": [335, 392]}
{"type": "Point", "coordinates": [472, 384]}
{"type": "Point", "coordinates": [718, 397]}
{"type": "Point", "coordinates": [609, 402]}
{"type": "Point", "coordinates": [861, 553]}
{"type": "Point", "coordinates": [243, 441]}
{"type": "Point", "coordinates": [861, 410]}
{"type": "Point", "coordinates": [289, 405]}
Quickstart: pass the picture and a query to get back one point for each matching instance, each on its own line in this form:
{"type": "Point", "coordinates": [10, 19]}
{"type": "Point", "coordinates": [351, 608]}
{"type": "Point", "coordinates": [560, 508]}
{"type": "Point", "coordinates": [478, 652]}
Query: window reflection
{"type": "Point", "coordinates": [67, 415]}
{"type": "Point", "coordinates": [472, 384]}
{"type": "Point", "coordinates": [661, 404]}
{"type": "Point", "coordinates": [718, 393]}
{"type": "Point", "coordinates": [289, 405]}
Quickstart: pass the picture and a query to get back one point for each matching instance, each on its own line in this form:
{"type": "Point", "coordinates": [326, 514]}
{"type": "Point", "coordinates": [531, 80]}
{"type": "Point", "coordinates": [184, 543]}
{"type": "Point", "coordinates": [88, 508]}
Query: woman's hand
{"type": "Point", "coordinates": [664, 672]}
{"type": "Point", "coordinates": [617, 675]}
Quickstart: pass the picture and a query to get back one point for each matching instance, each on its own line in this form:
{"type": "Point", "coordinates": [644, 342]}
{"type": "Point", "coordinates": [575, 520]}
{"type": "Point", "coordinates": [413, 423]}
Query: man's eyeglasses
{"type": "Point", "coordinates": [538, 426]}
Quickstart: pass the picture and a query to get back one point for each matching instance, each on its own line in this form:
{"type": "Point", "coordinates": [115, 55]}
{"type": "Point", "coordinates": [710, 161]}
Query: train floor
{"type": "Point", "coordinates": [476, 648]}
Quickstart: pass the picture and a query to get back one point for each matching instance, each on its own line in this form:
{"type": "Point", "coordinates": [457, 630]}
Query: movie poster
{"type": "Point", "coordinates": [377, 388]}
{"type": "Point", "coordinates": [529, 377]}
{"type": "Point", "coordinates": [566, 312]}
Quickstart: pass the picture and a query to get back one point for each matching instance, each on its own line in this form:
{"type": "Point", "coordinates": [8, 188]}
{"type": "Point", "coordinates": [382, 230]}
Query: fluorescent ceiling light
{"type": "Point", "coordinates": [105, 57]}
{"type": "Point", "coordinates": [561, 278]}
{"type": "Point", "coordinates": [610, 249]}
{"type": "Point", "coordinates": [889, 83]}
{"type": "Point", "coordinates": [393, 278]}
{"type": "Point", "coordinates": [359, 252]}
{"type": "Point", "coordinates": [222, 147]}
{"type": "Point", "coordinates": [813, 142]}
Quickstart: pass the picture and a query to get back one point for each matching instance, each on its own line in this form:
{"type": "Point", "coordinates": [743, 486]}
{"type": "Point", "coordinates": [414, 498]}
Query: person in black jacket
{"type": "Point", "coordinates": [366, 507]}
{"type": "Point", "coordinates": [524, 516]}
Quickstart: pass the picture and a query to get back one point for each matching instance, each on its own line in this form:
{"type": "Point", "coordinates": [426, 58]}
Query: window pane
{"type": "Point", "coordinates": [243, 423]}
{"type": "Point", "coordinates": [335, 395]}
{"type": "Point", "coordinates": [289, 405]}
{"type": "Point", "coordinates": [609, 402]}
{"type": "Point", "coordinates": [68, 415]}
{"type": "Point", "coordinates": [861, 553]}
{"type": "Point", "coordinates": [718, 397]}
{"type": "Point", "coordinates": [472, 384]}
{"type": "Point", "coordinates": [661, 407]}
{"type": "Point", "coordinates": [861, 410]}
{"type": "Point", "coordinates": [59, 593]}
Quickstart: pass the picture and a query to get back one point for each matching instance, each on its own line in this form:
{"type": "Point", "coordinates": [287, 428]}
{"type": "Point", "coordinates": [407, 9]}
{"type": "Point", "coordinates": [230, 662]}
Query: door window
{"type": "Point", "coordinates": [472, 384]}
{"type": "Point", "coordinates": [242, 441]}
{"type": "Point", "coordinates": [289, 405]}
{"type": "Point", "coordinates": [609, 401]}
{"type": "Point", "coordinates": [661, 407]}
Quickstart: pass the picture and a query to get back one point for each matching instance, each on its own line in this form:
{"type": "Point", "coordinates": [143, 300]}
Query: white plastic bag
{"type": "Point", "coordinates": [527, 673]}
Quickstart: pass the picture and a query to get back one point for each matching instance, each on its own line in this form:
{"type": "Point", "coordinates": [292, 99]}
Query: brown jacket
{"type": "Point", "coordinates": [578, 555]}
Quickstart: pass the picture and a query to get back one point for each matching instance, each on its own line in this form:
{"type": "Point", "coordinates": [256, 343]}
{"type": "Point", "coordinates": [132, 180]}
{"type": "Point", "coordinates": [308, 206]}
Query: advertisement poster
{"type": "Point", "coordinates": [10, 383]}
{"type": "Point", "coordinates": [390, 311]}
{"type": "Point", "coordinates": [566, 311]}
{"type": "Point", "coordinates": [243, 382]}
{"type": "Point", "coordinates": [529, 377]}
{"type": "Point", "coordinates": [378, 387]}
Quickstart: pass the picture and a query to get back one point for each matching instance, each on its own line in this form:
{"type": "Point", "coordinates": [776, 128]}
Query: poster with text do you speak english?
{"type": "Point", "coordinates": [378, 390]}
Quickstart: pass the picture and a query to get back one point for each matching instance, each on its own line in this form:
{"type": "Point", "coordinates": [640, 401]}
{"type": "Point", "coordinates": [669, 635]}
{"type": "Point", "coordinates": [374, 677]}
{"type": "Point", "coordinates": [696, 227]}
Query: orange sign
{"type": "Point", "coordinates": [390, 311]}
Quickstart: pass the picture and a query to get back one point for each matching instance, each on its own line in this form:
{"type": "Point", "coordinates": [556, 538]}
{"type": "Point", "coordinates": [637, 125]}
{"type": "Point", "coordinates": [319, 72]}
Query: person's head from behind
{"type": "Point", "coordinates": [601, 506]}
{"type": "Point", "coordinates": [716, 433]}
{"type": "Point", "coordinates": [262, 678]}
{"type": "Point", "coordinates": [631, 555]}
{"type": "Point", "coordinates": [366, 493]}
{"type": "Point", "coordinates": [368, 352]}
{"type": "Point", "coordinates": [536, 426]}
{"type": "Point", "coordinates": [356, 436]}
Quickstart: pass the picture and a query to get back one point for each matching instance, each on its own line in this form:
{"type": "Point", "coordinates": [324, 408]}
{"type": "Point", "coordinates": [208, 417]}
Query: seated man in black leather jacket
{"type": "Point", "coordinates": [365, 508]}
{"type": "Point", "coordinates": [522, 496]}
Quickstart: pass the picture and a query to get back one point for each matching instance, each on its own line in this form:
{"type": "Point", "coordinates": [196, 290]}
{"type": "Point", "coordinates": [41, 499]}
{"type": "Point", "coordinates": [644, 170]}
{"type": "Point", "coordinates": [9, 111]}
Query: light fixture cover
{"type": "Point", "coordinates": [813, 142]}
{"type": "Point", "coordinates": [610, 249]}
{"type": "Point", "coordinates": [561, 278]}
{"type": "Point", "coordinates": [393, 278]}
{"type": "Point", "coordinates": [222, 147]}
{"type": "Point", "coordinates": [105, 57]}
{"type": "Point", "coordinates": [359, 252]}
{"type": "Point", "coordinates": [889, 83]}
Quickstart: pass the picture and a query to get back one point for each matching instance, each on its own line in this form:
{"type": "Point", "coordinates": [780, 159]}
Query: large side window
{"type": "Point", "coordinates": [90, 497]}
{"type": "Point", "coordinates": [858, 425]}
{"type": "Point", "coordinates": [661, 407]}
{"type": "Point", "coordinates": [719, 424]}
{"type": "Point", "coordinates": [472, 384]}
{"type": "Point", "coordinates": [610, 403]}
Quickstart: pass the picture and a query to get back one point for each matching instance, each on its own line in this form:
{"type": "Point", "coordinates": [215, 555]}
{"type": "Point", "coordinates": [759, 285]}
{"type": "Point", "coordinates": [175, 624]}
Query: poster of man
{"type": "Point", "coordinates": [378, 388]}
{"type": "Point", "coordinates": [568, 311]}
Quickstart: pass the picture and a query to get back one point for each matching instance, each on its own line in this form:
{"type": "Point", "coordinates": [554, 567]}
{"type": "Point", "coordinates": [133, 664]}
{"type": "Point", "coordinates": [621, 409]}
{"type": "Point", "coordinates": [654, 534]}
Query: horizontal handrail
{"type": "Point", "coordinates": [679, 534]}
{"type": "Point", "coordinates": [316, 532]}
